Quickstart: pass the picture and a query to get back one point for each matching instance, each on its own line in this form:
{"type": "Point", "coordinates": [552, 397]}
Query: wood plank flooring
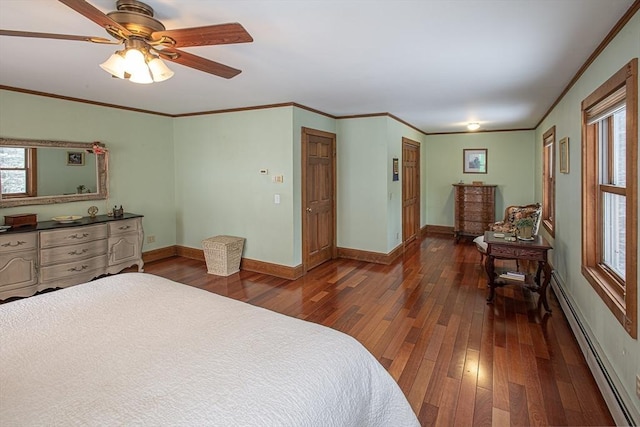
{"type": "Point", "coordinates": [459, 361]}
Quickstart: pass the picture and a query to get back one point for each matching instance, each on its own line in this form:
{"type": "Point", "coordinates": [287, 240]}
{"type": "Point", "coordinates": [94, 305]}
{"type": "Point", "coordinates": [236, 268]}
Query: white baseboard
{"type": "Point", "coordinates": [608, 382]}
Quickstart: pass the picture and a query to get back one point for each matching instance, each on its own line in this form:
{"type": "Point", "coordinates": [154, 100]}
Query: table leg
{"type": "Point", "coordinates": [490, 268]}
{"type": "Point", "coordinates": [547, 278]}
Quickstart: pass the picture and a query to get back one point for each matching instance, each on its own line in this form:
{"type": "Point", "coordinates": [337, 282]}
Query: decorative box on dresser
{"type": "Point", "coordinates": [474, 209]}
{"type": "Point", "coordinates": [54, 255]}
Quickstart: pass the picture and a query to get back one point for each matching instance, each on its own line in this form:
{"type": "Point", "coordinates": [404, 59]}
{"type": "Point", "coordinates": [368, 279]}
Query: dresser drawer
{"type": "Point", "coordinates": [515, 252]}
{"type": "Point", "coordinates": [72, 235]}
{"type": "Point", "coordinates": [18, 242]}
{"type": "Point", "coordinates": [73, 253]}
{"type": "Point", "coordinates": [96, 264]}
{"type": "Point", "coordinates": [126, 226]}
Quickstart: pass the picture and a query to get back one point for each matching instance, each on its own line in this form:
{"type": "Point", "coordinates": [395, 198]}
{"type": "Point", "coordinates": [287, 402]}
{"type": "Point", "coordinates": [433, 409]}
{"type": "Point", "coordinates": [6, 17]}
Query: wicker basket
{"type": "Point", "coordinates": [223, 254]}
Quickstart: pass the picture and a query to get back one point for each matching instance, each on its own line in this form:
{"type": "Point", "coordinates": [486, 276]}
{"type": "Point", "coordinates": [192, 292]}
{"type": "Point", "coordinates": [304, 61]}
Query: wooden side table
{"type": "Point", "coordinates": [533, 250]}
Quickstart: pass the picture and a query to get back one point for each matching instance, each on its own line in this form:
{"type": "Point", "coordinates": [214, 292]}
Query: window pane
{"type": "Point", "coordinates": [13, 182]}
{"type": "Point", "coordinates": [619, 148]}
{"type": "Point", "coordinates": [11, 157]}
{"type": "Point", "coordinates": [614, 231]}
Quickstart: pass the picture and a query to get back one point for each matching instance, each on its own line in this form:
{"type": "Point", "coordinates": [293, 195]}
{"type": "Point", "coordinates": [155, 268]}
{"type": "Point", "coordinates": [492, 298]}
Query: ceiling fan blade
{"type": "Point", "coordinates": [94, 14]}
{"type": "Point", "coordinates": [206, 36]}
{"type": "Point", "coordinates": [57, 36]}
{"type": "Point", "coordinates": [199, 63]}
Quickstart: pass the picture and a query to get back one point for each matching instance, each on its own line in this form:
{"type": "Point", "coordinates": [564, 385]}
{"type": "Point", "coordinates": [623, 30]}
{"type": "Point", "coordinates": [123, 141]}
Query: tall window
{"type": "Point", "coordinates": [18, 171]}
{"type": "Point", "coordinates": [609, 193]}
{"type": "Point", "coordinates": [549, 180]}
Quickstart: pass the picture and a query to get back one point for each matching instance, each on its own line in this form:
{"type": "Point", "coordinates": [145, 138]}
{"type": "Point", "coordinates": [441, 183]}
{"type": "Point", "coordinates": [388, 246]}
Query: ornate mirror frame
{"type": "Point", "coordinates": [101, 168]}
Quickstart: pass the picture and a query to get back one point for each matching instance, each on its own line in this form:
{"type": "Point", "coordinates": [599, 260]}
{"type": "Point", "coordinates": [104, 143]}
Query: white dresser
{"type": "Point", "coordinates": [59, 255]}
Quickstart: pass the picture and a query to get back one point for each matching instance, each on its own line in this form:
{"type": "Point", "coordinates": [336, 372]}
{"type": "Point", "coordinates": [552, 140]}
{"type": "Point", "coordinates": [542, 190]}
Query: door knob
{"type": "Point", "coordinates": [309, 210]}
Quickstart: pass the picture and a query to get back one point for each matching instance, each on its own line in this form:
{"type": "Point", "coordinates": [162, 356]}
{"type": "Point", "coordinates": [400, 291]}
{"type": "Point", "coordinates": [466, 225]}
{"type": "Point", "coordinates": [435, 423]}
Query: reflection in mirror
{"type": "Point", "coordinates": [43, 172]}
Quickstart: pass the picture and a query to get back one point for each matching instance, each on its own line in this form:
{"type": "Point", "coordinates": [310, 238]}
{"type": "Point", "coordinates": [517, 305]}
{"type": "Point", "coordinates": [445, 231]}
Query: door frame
{"type": "Point", "coordinates": [404, 180]}
{"type": "Point", "coordinates": [305, 133]}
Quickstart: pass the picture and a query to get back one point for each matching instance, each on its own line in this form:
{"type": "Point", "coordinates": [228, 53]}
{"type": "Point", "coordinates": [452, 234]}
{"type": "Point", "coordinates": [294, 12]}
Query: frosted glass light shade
{"type": "Point", "coordinates": [473, 126]}
{"type": "Point", "coordinates": [143, 76]}
{"type": "Point", "coordinates": [114, 65]}
{"type": "Point", "coordinates": [159, 70]}
{"type": "Point", "coordinates": [134, 62]}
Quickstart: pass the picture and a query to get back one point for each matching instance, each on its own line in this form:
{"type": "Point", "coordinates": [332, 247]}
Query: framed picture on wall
{"type": "Point", "coordinates": [564, 155]}
{"type": "Point", "coordinates": [474, 160]}
{"type": "Point", "coordinates": [75, 158]}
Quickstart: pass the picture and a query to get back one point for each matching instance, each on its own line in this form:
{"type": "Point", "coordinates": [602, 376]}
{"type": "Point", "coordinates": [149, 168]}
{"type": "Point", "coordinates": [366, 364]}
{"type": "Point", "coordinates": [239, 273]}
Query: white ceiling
{"type": "Point", "coordinates": [436, 64]}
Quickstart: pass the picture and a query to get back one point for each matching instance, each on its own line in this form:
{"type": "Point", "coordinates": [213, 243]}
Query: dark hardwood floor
{"type": "Point", "coordinates": [459, 361]}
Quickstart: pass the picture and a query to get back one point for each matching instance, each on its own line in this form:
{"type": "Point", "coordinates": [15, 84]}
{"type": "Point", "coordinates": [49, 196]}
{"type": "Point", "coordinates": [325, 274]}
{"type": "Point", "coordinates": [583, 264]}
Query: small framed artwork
{"type": "Point", "coordinates": [396, 171]}
{"type": "Point", "coordinates": [75, 158]}
{"type": "Point", "coordinates": [564, 155]}
{"type": "Point", "coordinates": [474, 160]}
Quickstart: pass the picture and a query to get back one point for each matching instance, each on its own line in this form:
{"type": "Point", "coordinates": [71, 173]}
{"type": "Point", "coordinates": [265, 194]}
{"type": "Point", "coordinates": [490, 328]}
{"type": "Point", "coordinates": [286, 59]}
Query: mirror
{"type": "Point", "coordinates": [39, 172]}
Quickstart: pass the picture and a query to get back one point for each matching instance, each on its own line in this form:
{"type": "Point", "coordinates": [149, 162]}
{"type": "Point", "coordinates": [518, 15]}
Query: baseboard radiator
{"type": "Point", "coordinates": [608, 382]}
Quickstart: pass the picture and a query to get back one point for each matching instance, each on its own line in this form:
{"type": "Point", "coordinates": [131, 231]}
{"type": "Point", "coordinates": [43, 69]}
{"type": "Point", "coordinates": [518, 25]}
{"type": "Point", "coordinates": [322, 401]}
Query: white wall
{"type": "Point", "coordinates": [621, 351]}
{"type": "Point", "coordinates": [510, 165]}
{"type": "Point", "coordinates": [140, 156]}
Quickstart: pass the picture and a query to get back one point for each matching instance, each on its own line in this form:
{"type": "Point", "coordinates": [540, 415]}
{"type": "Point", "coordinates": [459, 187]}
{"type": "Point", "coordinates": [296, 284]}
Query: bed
{"type": "Point", "coordinates": [137, 349]}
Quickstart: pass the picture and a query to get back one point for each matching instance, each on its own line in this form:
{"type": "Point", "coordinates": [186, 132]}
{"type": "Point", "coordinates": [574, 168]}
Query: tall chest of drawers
{"type": "Point", "coordinates": [474, 209]}
{"type": "Point", "coordinates": [54, 256]}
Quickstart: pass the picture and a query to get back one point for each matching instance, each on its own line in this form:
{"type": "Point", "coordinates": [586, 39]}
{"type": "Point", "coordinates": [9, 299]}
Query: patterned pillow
{"type": "Point", "coordinates": [519, 212]}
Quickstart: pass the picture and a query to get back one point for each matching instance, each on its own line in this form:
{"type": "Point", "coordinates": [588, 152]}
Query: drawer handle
{"type": "Point", "coordinates": [79, 236]}
{"type": "Point", "coordinates": [11, 245]}
{"type": "Point", "coordinates": [77, 253]}
{"type": "Point", "coordinates": [124, 227]}
{"type": "Point", "coordinates": [84, 267]}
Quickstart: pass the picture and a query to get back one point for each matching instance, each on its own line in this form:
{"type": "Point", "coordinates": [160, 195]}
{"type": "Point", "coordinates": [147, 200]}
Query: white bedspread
{"type": "Point", "coordinates": [136, 349]}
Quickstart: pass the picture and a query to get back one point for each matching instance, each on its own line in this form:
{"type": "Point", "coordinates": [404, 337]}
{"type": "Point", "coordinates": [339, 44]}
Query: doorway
{"type": "Point", "coordinates": [318, 197]}
{"type": "Point", "coordinates": [410, 190]}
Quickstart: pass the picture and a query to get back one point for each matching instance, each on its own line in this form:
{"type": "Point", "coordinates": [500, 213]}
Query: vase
{"type": "Point", "coordinates": [525, 232]}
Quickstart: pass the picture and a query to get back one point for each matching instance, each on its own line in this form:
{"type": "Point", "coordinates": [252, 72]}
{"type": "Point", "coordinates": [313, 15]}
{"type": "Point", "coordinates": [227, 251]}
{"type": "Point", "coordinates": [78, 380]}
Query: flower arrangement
{"type": "Point", "coordinates": [527, 221]}
{"type": "Point", "coordinates": [97, 148]}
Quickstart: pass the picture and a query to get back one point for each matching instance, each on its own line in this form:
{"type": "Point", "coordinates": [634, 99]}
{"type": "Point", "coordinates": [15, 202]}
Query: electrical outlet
{"type": "Point", "coordinates": [151, 239]}
{"type": "Point", "coordinates": [638, 386]}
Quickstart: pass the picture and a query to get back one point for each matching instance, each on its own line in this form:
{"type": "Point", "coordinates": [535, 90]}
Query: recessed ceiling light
{"type": "Point", "coordinates": [473, 126]}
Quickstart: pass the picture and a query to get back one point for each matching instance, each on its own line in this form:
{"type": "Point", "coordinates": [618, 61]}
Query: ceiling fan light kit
{"type": "Point", "coordinates": [147, 42]}
{"type": "Point", "coordinates": [137, 64]}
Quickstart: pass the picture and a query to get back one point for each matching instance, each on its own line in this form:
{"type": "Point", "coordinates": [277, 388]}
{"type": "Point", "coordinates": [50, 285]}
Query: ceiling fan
{"type": "Point", "coordinates": [146, 41]}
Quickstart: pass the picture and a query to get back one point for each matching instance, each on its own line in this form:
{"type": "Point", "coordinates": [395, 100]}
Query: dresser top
{"type": "Point", "coordinates": [54, 225]}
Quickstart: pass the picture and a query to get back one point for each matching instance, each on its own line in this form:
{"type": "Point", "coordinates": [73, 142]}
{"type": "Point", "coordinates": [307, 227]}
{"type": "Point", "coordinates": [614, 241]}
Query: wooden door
{"type": "Point", "coordinates": [410, 190]}
{"type": "Point", "coordinates": [318, 197]}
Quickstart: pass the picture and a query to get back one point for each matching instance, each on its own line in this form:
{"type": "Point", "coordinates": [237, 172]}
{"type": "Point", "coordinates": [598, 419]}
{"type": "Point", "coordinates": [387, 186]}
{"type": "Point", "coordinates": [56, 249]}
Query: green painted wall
{"type": "Point", "coordinates": [395, 132]}
{"type": "Point", "coordinates": [219, 188]}
{"type": "Point", "coordinates": [140, 163]}
{"type": "Point", "coordinates": [510, 165]}
{"type": "Point", "coordinates": [621, 351]}
{"type": "Point", "coordinates": [52, 162]}
{"type": "Point", "coordinates": [362, 177]}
